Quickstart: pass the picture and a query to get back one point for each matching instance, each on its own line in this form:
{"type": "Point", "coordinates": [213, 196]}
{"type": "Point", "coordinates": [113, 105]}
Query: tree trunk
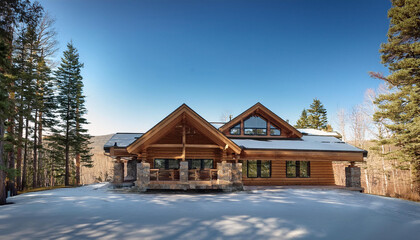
{"type": "Point", "coordinates": [41, 170]}
{"type": "Point", "coordinates": [367, 181]}
{"type": "Point", "coordinates": [77, 169]}
{"type": "Point", "coordinates": [11, 154]}
{"type": "Point", "coordinates": [52, 174]}
{"type": "Point", "coordinates": [384, 171]}
{"type": "Point", "coordinates": [35, 149]}
{"type": "Point", "coordinates": [19, 146]}
{"type": "Point", "coordinates": [77, 153]}
{"type": "Point", "coordinates": [67, 151]}
{"type": "Point", "coordinates": [25, 154]}
{"type": "Point", "coordinates": [2, 173]}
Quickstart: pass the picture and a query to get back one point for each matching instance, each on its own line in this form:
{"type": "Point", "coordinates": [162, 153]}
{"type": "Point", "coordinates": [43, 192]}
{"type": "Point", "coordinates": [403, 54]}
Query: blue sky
{"type": "Point", "coordinates": [145, 58]}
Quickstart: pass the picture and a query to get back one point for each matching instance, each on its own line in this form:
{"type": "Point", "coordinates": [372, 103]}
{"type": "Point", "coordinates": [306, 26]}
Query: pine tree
{"type": "Point", "coordinates": [302, 122]}
{"type": "Point", "coordinates": [26, 60]}
{"type": "Point", "coordinates": [317, 115]}
{"type": "Point", "coordinates": [400, 109]}
{"type": "Point", "coordinates": [71, 110]}
{"type": "Point", "coordinates": [11, 12]}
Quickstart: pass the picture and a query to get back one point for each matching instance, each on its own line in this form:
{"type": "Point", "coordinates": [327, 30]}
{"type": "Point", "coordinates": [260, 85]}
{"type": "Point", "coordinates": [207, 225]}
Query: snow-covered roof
{"type": "Point", "coordinates": [306, 143]}
{"type": "Point", "coordinates": [121, 140]}
{"type": "Point", "coordinates": [316, 132]}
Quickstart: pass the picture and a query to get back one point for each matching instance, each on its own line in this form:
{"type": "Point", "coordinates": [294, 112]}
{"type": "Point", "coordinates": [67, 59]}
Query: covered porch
{"type": "Point", "coordinates": [183, 152]}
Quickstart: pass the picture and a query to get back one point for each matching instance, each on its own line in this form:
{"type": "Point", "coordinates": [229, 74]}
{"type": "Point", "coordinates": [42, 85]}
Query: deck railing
{"type": "Point", "coordinates": [206, 174]}
{"type": "Point", "coordinates": [164, 175]}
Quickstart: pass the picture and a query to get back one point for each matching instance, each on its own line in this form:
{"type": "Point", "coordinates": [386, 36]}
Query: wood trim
{"type": "Point", "coordinates": [174, 118]}
{"type": "Point", "coordinates": [301, 155]}
{"type": "Point", "coordinates": [120, 152]}
{"type": "Point", "coordinates": [186, 145]}
{"type": "Point", "coordinates": [261, 109]}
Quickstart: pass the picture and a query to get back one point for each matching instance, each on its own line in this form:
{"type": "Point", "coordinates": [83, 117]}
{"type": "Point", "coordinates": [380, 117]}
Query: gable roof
{"type": "Point", "coordinates": [171, 120]}
{"type": "Point", "coordinates": [258, 106]}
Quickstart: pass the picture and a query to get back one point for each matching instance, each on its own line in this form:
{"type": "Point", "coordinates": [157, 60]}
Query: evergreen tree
{"type": "Point", "coordinates": [317, 115]}
{"type": "Point", "coordinates": [400, 109]}
{"type": "Point", "coordinates": [26, 59]}
{"type": "Point", "coordinates": [71, 108]}
{"type": "Point", "coordinates": [11, 13]}
{"type": "Point", "coordinates": [302, 122]}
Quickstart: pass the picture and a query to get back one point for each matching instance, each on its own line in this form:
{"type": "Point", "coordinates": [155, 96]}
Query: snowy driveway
{"type": "Point", "coordinates": [92, 212]}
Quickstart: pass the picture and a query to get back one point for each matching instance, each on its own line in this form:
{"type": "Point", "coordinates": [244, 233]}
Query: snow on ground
{"type": "Point", "coordinates": [93, 211]}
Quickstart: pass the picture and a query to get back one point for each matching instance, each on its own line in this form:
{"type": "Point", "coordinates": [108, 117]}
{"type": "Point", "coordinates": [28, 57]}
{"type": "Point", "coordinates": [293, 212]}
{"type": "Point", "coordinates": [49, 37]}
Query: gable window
{"type": "Point", "coordinates": [274, 131]}
{"type": "Point", "coordinates": [236, 130]}
{"type": "Point", "coordinates": [255, 125]}
{"type": "Point", "coordinates": [298, 169]}
{"type": "Point", "coordinates": [200, 163]}
{"type": "Point", "coordinates": [258, 169]}
{"type": "Point", "coordinates": [166, 163]}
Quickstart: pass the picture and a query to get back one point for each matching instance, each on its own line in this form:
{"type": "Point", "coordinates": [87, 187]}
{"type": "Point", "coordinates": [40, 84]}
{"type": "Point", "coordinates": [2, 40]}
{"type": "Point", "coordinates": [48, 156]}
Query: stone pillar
{"type": "Point", "coordinates": [224, 171]}
{"type": "Point", "coordinates": [237, 173]}
{"type": "Point", "coordinates": [132, 169]}
{"type": "Point", "coordinates": [143, 176]}
{"type": "Point", "coordinates": [237, 177]}
{"type": "Point", "coordinates": [183, 171]}
{"type": "Point", "coordinates": [353, 176]}
{"type": "Point", "coordinates": [118, 172]}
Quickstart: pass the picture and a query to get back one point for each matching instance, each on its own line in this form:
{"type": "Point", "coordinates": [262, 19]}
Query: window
{"type": "Point", "coordinates": [252, 169]}
{"type": "Point", "coordinates": [274, 131]}
{"type": "Point", "coordinates": [166, 163]}
{"type": "Point", "coordinates": [200, 163]}
{"type": "Point", "coordinates": [255, 125]}
{"type": "Point", "coordinates": [299, 169]}
{"type": "Point", "coordinates": [258, 169]}
{"type": "Point", "coordinates": [236, 130]}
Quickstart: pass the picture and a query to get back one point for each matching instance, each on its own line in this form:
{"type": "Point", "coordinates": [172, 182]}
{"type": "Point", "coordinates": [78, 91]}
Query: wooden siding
{"type": "Point", "coordinates": [321, 174]}
{"type": "Point", "coordinates": [193, 136]}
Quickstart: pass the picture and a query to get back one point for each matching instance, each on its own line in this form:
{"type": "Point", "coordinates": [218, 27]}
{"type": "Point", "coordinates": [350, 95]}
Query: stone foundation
{"type": "Point", "coordinates": [229, 179]}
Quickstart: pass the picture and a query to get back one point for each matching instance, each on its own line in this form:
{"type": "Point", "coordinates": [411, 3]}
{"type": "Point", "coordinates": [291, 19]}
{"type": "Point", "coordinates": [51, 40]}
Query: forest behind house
{"type": "Point", "coordinates": [44, 140]}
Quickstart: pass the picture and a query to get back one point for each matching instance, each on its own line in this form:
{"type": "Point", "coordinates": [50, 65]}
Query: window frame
{"type": "Point", "coordinates": [236, 127]}
{"type": "Point", "coordinates": [274, 128]}
{"type": "Point", "coordinates": [257, 128]}
{"type": "Point", "coordinates": [201, 163]}
{"type": "Point", "coordinates": [297, 169]}
{"type": "Point", "coordinates": [258, 168]}
{"type": "Point", "coordinates": [166, 163]}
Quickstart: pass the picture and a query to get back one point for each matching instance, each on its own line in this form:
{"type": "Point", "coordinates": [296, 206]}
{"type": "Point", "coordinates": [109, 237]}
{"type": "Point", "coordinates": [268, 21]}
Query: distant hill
{"type": "Point", "coordinates": [103, 165]}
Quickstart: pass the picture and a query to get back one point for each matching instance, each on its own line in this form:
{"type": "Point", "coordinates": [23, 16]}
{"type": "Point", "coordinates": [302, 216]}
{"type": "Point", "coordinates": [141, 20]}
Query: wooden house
{"type": "Point", "coordinates": [185, 151]}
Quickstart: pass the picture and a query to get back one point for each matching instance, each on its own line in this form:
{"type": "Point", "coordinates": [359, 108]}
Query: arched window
{"type": "Point", "coordinates": [255, 125]}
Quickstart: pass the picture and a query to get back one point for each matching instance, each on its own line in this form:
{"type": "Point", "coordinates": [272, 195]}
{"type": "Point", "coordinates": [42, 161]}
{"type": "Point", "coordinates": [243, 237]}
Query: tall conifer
{"type": "Point", "coordinates": [317, 115]}
{"type": "Point", "coordinates": [302, 122]}
{"type": "Point", "coordinates": [400, 109]}
{"type": "Point", "coordinates": [71, 110]}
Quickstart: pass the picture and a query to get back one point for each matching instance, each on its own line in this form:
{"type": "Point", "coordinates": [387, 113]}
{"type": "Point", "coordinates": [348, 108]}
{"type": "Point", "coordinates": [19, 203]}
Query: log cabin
{"type": "Point", "coordinates": [257, 147]}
